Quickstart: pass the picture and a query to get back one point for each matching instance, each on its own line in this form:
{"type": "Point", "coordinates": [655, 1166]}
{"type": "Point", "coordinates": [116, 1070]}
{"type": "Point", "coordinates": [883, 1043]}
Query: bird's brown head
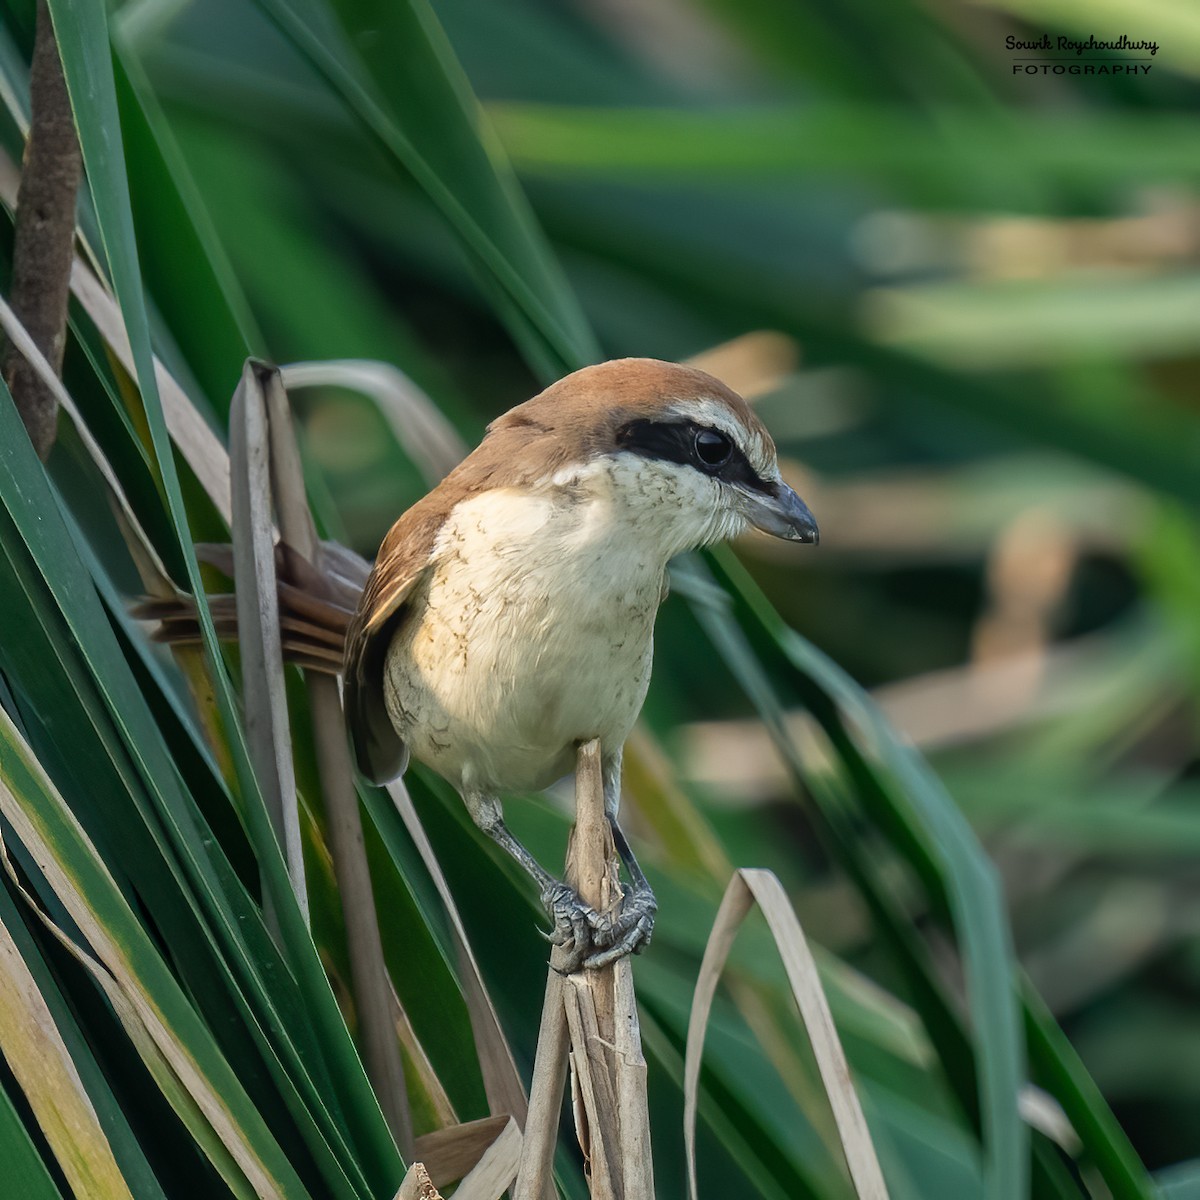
{"type": "Point", "coordinates": [687, 452]}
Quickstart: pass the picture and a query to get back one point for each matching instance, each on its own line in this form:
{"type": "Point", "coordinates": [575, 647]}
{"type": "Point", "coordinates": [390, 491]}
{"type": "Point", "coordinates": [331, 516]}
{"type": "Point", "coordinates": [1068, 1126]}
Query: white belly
{"type": "Point", "coordinates": [534, 632]}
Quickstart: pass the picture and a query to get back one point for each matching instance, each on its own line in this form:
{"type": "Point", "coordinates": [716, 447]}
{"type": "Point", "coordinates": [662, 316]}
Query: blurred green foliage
{"type": "Point", "coordinates": [990, 281]}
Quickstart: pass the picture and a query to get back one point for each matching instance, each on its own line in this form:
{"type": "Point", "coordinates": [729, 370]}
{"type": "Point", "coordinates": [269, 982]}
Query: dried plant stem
{"type": "Point", "coordinates": [589, 1018]}
{"type": "Point", "coordinates": [535, 1177]}
{"type": "Point", "coordinates": [503, 1086]}
{"type": "Point", "coordinates": [373, 997]}
{"type": "Point", "coordinates": [747, 888]}
{"type": "Point", "coordinates": [375, 1002]}
{"type": "Point", "coordinates": [632, 1103]}
{"type": "Point", "coordinates": [268, 737]}
{"type": "Point", "coordinates": [44, 244]}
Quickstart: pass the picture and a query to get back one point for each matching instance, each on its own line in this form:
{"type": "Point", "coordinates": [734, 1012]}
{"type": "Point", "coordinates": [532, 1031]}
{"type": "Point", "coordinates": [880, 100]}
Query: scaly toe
{"type": "Point", "coordinates": [631, 932]}
{"type": "Point", "coordinates": [603, 927]}
{"type": "Point", "coordinates": [635, 941]}
{"type": "Point", "coordinates": [637, 913]}
{"type": "Point", "coordinates": [572, 920]}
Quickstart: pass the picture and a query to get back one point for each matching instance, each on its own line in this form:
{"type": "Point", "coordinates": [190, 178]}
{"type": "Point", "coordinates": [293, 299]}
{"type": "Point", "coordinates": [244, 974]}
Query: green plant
{"type": "Point", "coordinates": [259, 179]}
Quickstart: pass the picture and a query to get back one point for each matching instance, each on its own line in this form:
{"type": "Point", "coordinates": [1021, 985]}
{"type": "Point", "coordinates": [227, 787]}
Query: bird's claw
{"type": "Point", "coordinates": [629, 933]}
{"type": "Point", "coordinates": [592, 939]}
{"type": "Point", "coordinates": [573, 924]}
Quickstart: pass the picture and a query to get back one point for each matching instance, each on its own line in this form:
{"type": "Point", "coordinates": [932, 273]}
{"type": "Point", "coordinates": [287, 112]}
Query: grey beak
{"type": "Point", "coordinates": [783, 515]}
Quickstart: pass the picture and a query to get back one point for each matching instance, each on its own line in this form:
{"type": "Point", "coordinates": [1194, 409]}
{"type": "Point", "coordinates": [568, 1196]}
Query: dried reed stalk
{"type": "Point", "coordinates": [44, 238]}
{"type": "Point", "coordinates": [589, 1020]}
{"type": "Point", "coordinates": [374, 999]}
{"type": "Point", "coordinates": [750, 887]}
{"type": "Point", "coordinates": [268, 737]}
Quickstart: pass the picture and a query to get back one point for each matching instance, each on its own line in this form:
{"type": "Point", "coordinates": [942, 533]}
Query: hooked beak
{"type": "Point", "coordinates": [783, 515]}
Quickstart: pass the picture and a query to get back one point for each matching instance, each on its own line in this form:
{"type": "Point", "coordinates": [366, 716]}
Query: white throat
{"type": "Point", "coordinates": [662, 508]}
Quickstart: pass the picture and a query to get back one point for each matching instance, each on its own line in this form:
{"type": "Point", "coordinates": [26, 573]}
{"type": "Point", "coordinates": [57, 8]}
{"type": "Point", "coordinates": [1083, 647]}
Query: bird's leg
{"type": "Point", "coordinates": [630, 932]}
{"type": "Point", "coordinates": [574, 921]}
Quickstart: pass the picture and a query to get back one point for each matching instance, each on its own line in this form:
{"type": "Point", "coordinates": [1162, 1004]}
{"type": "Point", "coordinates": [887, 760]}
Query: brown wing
{"type": "Point", "coordinates": [379, 751]}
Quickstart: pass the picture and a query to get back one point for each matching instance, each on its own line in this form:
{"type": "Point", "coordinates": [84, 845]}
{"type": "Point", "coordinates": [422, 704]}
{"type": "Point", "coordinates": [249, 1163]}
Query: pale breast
{"type": "Point", "coordinates": [533, 632]}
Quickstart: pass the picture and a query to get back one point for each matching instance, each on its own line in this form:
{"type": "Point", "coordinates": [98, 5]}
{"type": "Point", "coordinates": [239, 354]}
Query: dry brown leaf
{"type": "Point", "coordinates": [595, 1112]}
{"type": "Point", "coordinates": [451, 1152]}
{"type": "Point", "coordinates": [588, 995]}
{"type": "Point", "coordinates": [753, 364]}
{"type": "Point", "coordinates": [297, 531]}
{"type": "Point", "coordinates": [502, 1083]}
{"type": "Point", "coordinates": [268, 734]}
{"type": "Point", "coordinates": [496, 1168]}
{"type": "Point", "coordinates": [374, 998]}
{"type": "Point", "coordinates": [747, 888]}
{"type": "Point", "coordinates": [630, 1072]}
{"type": "Point", "coordinates": [417, 1185]}
{"type": "Point", "coordinates": [535, 1176]}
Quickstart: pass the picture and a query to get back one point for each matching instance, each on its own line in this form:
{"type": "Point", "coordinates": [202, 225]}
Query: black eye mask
{"type": "Point", "coordinates": [710, 451]}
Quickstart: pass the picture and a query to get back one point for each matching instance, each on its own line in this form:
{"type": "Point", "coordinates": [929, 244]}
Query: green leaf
{"type": "Point", "coordinates": [135, 799]}
{"type": "Point", "coordinates": [427, 119]}
{"type": "Point", "coordinates": [943, 851]}
{"type": "Point", "coordinates": [835, 138]}
{"type": "Point", "coordinates": [1061, 1072]}
{"type": "Point", "coordinates": [73, 870]}
{"type": "Point", "coordinates": [84, 45]}
{"type": "Point", "coordinates": [188, 273]}
{"type": "Point", "coordinates": [941, 847]}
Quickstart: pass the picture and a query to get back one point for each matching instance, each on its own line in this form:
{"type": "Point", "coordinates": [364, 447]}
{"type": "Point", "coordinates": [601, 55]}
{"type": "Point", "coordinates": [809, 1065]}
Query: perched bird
{"type": "Point", "coordinates": [509, 616]}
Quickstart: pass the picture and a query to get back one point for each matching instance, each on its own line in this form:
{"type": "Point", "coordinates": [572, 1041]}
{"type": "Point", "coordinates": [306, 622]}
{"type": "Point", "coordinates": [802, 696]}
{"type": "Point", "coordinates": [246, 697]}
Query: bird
{"type": "Point", "coordinates": [509, 615]}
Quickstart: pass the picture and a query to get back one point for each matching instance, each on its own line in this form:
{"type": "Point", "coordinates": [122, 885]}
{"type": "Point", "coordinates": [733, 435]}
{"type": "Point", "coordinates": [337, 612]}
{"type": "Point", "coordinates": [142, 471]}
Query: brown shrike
{"type": "Point", "coordinates": [510, 614]}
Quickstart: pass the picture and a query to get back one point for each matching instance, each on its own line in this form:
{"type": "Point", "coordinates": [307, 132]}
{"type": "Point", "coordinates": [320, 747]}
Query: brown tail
{"type": "Point", "coordinates": [316, 605]}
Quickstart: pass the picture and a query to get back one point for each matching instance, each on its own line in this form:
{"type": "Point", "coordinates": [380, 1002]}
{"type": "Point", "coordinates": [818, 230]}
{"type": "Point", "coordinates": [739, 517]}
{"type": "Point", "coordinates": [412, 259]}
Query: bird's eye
{"type": "Point", "coordinates": [713, 449]}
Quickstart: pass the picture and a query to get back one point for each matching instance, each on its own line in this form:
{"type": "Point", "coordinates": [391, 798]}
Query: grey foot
{"type": "Point", "coordinates": [575, 924]}
{"type": "Point", "coordinates": [629, 934]}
